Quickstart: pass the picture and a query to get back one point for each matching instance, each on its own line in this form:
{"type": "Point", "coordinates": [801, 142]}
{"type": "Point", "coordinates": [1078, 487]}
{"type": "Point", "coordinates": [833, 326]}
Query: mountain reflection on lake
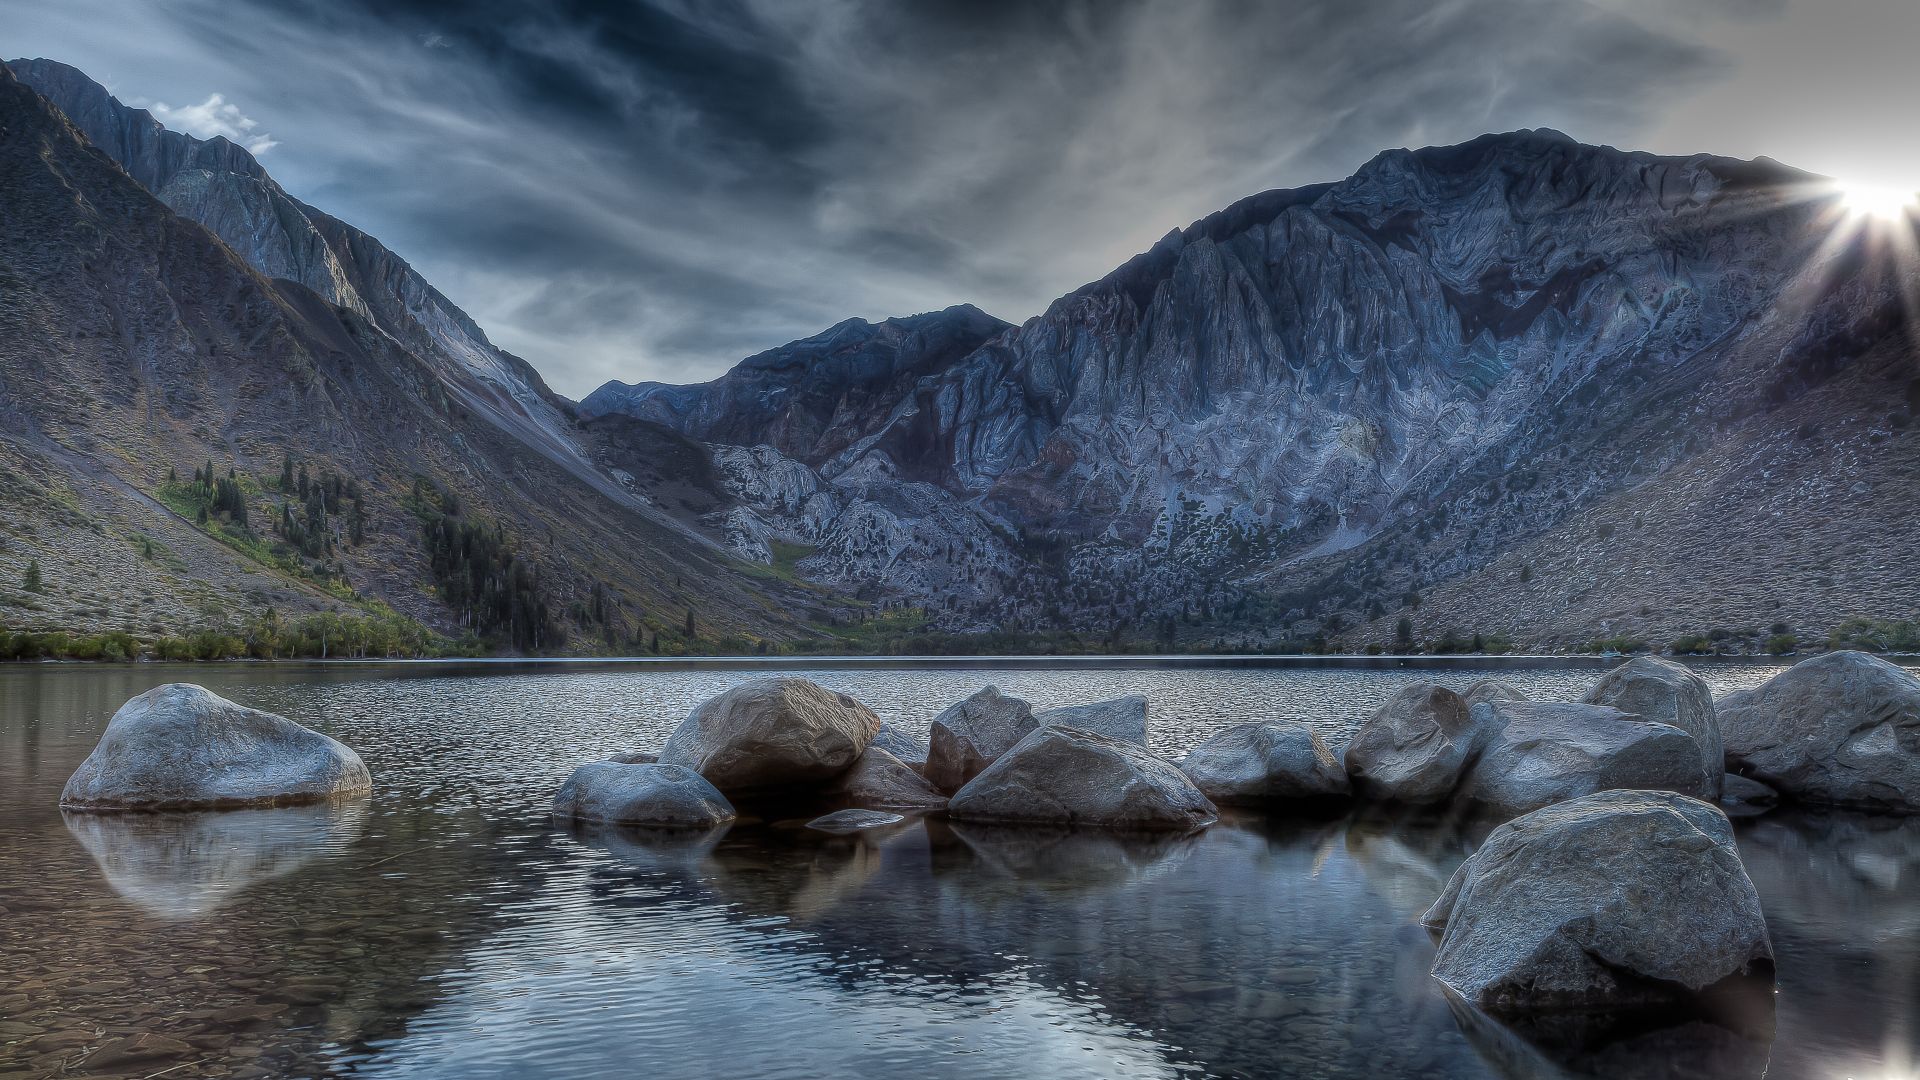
{"type": "Point", "coordinates": [448, 928]}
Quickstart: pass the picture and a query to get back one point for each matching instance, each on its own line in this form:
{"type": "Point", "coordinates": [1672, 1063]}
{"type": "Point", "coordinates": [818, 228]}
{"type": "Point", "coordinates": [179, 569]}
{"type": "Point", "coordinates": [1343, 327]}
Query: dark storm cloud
{"type": "Point", "coordinates": [655, 189]}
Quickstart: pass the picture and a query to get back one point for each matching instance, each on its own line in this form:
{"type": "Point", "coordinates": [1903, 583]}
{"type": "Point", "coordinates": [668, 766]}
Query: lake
{"type": "Point", "coordinates": [447, 927]}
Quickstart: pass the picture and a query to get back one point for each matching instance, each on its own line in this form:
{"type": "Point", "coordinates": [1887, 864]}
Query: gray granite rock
{"type": "Point", "coordinates": [970, 735]}
{"type": "Point", "coordinates": [1541, 753]}
{"type": "Point", "coordinates": [902, 744]}
{"type": "Point", "coordinates": [1116, 718]}
{"type": "Point", "coordinates": [1621, 899]}
{"type": "Point", "coordinates": [181, 746]}
{"type": "Point", "coordinates": [1256, 764]}
{"type": "Point", "coordinates": [1742, 796]}
{"type": "Point", "coordinates": [845, 822]}
{"type": "Point", "coordinates": [879, 779]}
{"type": "Point", "coordinates": [770, 734]}
{"type": "Point", "coordinates": [1064, 776]}
{"type": "Point", "coordinates": [661, 796]}
{"type": "Point", "coordinates": [1841, 729]}
{"type": "Point", "coordinates": [1415, 748]}
{"type": "Point", "coordinates": [1668, 693]}
{"type": "Point", "coordinates": [1491, 690]}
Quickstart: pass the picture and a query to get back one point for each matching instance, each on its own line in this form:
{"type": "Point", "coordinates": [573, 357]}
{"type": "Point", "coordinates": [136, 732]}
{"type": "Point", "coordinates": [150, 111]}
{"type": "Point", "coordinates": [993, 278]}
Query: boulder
{"type": "Point", "coordinates": [181, 746]}
{"type": "Point", "coordinates": [1744, 797]}
{"type": "Point", "coordinates": [635, 757]}
{"type": "Point", "coordinates": [879, 779]}
{"type": "Point", "coordinates": [1116, 718]}
{"type": "Point", "coordinates": [972, 734]}
{"type": "Point", "coordinates": [1491, 690]}
{"type": "Point", "coordinates": [902, 744]}
{"type": "Point", "coordinates": [1540, 753]}
{"type": "Point", "coordinates": [1255, 764]}
{"type": "Point", "coordinates": [1065, 776]}
{"type": "Point", "coordinates": [1621, 899]}
{"type": "Point", "coordinates": [1668, 693]}
{"type": "Point", "coordinates": [1415, 748]}
{"type": "Point", "coordinates": [770, 734]}
{"type": "Point", "coordinates": [661, 796]}
{"type": "Point", "coordinates": [1840, 729]}
{"type": "Point", "coordinates": [845, 822]}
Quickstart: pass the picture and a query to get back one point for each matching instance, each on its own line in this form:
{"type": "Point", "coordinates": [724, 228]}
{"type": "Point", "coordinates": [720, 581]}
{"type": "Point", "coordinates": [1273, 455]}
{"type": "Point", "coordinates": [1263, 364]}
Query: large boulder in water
{"type": "Point", "coordinates": [770, 734]}
{"type": "Point", "coordinates": [1539, 753]}
{"type": "Point", "coordinates": [972, 734]}
{"type": "Point", "coordinates": [1491, 690]}
{"type": "Point", "coordinates": [1116, 718]}
{"type": "Point", "coordinates": [881, 780]}
{"type": "Point", "coordinates": [1064, 776]}
{"type": "Point", "coordinates": [660, 796]}
{"type": "Point", "coordinates": [1415, 748]}
{"type": "Point", "coordinates": [1668, 693]}
{"type": "Point", "coordinates": [1841, 729]}
{"type": "Point", "coordinates": [181, 746]}
{"type": "Point", "coordinates": [1256, 764]}
{"type": "Point", "coordinates": [1621, 899]}
{"type": "Point", "coordinates": [901, 743]}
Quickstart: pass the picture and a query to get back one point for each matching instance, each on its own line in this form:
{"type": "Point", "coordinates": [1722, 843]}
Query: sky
{"type": "Point", "coordinates": [654, 189]}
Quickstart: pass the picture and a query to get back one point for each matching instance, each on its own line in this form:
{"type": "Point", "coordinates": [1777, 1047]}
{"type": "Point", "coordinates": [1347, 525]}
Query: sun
{"type": "Point", "coordinates": [1883, 201]}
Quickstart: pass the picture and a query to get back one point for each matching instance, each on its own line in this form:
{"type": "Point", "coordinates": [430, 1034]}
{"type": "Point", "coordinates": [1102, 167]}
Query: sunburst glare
{"type": "Point", "coordinates": [1884, 201]}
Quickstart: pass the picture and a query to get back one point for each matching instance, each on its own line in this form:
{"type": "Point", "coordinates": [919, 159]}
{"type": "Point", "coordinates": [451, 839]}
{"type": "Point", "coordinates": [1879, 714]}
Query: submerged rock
{"type": "Point", "coordinates": [181, 746]}
{"type": "Point", "coordinates": [1841, 729]}
{"type": "Point", "coordinates": [972, 734]}
{"type": "Point", "coordinates": [1668, 693]}
{"type": "Point", "coordinates": [1415, 748]}
{"type": "Point", "coordinates": [844, 822]}
{"type": "Point", "coordinates": [1064, 776]}
{"type": "Point", "coordinates": [1255, 764]}
{"type": "Point", "coordinates": [1541, 753]}
{"type": "Point", "coordinates": [879, 779]}
{"type": "Point", "coordinates": [662, 796]}
{"type": "Point", "coordinates": [770, 734]}
{"type": "Point", "coordinates": [1116, 718]}
{"type": "Point", "coordinates": [1614, 900]}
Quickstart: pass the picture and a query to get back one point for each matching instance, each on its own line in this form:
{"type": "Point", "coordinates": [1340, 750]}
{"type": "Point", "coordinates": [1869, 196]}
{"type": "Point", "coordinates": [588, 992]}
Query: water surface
{"type": "Point", "coordinates": [448, 928]}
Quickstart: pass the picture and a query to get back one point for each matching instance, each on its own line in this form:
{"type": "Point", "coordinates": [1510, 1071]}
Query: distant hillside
{"type": "Point", "coordinates": [223, 325]}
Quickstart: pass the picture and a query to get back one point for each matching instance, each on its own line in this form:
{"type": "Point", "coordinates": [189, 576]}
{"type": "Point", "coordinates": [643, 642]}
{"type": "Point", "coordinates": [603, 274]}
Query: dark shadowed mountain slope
{"type": "Point", "coordinates": [136, 345]}
{"type": "Point", "coordinates": [222, 186]}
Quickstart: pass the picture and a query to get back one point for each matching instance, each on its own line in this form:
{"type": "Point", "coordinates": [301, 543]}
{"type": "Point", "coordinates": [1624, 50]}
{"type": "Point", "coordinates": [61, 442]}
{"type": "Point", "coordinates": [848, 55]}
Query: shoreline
{"type": "Point", "coordinates": [1137, 661]}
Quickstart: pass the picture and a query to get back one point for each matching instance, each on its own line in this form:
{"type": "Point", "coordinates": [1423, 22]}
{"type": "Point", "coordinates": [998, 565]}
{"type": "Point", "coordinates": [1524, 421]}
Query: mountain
{"type": "Point", "coordinates": [169, 311]}
{"type": "Point", "coordinates": [1520, 388]}
{"type": "Point", "coordinates": [810, 398]}
{"type": "Point", "coordinates": [1564, 391]}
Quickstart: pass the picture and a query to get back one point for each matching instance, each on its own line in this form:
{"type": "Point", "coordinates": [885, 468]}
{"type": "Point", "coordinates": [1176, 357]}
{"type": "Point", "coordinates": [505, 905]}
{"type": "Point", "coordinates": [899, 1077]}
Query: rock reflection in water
{"type": "Point", "coordinates": [185, 865]}
{"type": "Point", "coordinates": [1732, 1046]}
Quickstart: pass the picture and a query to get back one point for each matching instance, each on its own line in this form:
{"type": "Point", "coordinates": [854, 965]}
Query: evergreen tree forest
{"type": "Point", "coordinates": [496, 593]}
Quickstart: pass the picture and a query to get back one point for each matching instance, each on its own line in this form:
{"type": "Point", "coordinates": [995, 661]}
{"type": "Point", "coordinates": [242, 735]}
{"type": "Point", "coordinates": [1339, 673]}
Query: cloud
{"type": "Point", "coordinates": [653, 189]}
{"type": "Point", "coordinates": [215, 116]}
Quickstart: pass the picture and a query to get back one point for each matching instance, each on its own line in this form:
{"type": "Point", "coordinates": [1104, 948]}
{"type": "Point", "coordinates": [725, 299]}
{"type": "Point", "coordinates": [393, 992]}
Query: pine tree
{"type": "Point", "coordinates": [692, 628]}
{"type": "Point", "coordinates": [286, 472]}
{"type": "Point", "coordinates": [1403, 632]}
{"type": "Point", "coordinates": [32, 581]}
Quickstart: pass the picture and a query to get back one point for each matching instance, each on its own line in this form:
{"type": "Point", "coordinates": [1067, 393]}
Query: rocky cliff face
{"type": "Point", "coordinates": [1307, 406]}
